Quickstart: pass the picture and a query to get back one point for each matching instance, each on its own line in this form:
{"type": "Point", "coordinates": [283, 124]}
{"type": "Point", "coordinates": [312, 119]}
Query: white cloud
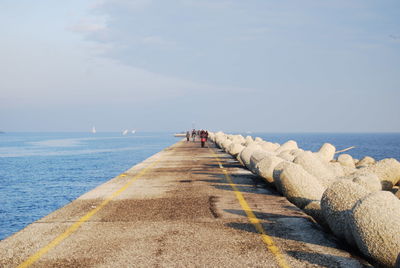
{"type": "Point", "coordinates": [90, 25]}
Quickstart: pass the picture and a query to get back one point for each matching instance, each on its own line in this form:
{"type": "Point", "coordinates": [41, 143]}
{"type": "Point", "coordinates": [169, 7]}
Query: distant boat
{"type": "Point", "coordinates": [93, 130]}
{"type": "Point", "coordinates": [134, 131]}
{"type": "Point", "coordinates": [125, 132]}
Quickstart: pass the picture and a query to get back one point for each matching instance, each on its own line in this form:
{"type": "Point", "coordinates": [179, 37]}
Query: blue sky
{"type": "Point", "coordinates": [274, 66]}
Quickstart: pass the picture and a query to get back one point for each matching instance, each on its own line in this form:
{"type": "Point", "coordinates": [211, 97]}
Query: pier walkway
{"type": "Point", "coordinates": [185, 206]}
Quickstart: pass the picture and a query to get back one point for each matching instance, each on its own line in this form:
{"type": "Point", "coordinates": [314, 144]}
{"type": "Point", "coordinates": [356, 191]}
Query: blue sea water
{"type": "Point", "coordinates": [41, 172]}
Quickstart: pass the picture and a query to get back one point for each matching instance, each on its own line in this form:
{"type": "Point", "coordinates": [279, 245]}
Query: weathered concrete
{"type": "Point", "coordinates": [181, 213]}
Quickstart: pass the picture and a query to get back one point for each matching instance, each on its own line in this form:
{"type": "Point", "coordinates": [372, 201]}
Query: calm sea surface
{"type": "Point", "coordinates": [41, 172]}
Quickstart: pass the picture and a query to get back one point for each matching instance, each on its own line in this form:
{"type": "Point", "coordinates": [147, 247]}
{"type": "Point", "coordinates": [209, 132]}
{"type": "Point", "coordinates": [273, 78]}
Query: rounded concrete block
{"type": "Point", "coordinates": [246, 153]}
{"type": "Point", "coordinates": [365, 162]}
{"type": "Point", "coordinates": [289, 145]}
{"type": "Point", "coordinates": [346, 160]}
{"type": "Point", "coordinates": [265, 167]}
{"type": "Point", "coordinates": [336, 204]}
{"type": "Point", "coordinates": [299, 186]}
{"type": "Point", "coordinates": [316, 167]}
{"type": "Point", "coordinates": [286, 155]}
{"type": "Point", "coordinates": [277, 174]}
{"type": "Point", "coordinates": [368, 180]}
{"type": "Point", "coordinates": [327, 152]}
{"type": "Point", "coordinates": [296, 152]}
{"type": "Point", "coordinates": [258, 139]}
{"type": "Point", "coordinates": [336, 168]}
{"type": "Point", "coordinates": [269, 146]}
{"type": "Point", "coordinates": [225, 144]}
{"type": "Point", "coordinates": [375, 225]}
{"type": "Point", "coordinates": [387, 170]}
{"type": "Point", "coordinates": [256, 157]}
{"type": "Point", "coordinates": [248, 140]}
{"type": "Point", "coordinates": [235, 149]}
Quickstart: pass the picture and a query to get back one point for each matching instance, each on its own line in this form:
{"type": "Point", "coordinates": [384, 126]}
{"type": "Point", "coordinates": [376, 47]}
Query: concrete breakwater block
{"type": "Point", "coordinates": [314, 210]}
{"type": "Point", "coordinates": [316, 167]}
{"type": "Point", "coordinates": [265, 167]}
{"type": "Point", "coordinates": [286, 155]}
{"type": "Point", "coordinates": [248, 140]}
{"type": "Point", "coordinates": [235, 148]}
{"type": "Point", "coordinates": [387, 170]}
{"type": "Point", "coordinates": [225, 144]}
{"type": "Point", "coordinates": [346, 160]}
{"type": "Point", "coordinates": [365, 162]}
{"type": "Point", "coordinates": [368, 180]}
{"type": "Point", "coordinates": [375, 225]}
{"type": "Point", "coordinates": [256, 157]}
{"type": "Point", "coordinates": [246, 153]}
{"type": "Point", "coordinates": [258, 139]}
{"type": "Point", "coordinates": [327, 152]}
{"type": "Point", "coordinates": [296, 152]}
{"type": "Point", "coordinates": [289, 145]}
{"type": "Point", "coordinates": [269, 146]}
{"type": "Point", "coordinates": [337, 169]}
{"type": "Point", "coordinates": [277, 174]}
{"type": "Point", "coordinates": [219, 138]}
{"type": "Point", "coordinates": [336, 204]}
{"type": "Point", "coordinates": [299, 186]}
{"type": "Point", "coordinates": [237, 138]}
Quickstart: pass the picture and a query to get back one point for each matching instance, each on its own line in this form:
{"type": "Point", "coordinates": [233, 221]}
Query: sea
{"type": "Point", "coordinates": [42, 172]}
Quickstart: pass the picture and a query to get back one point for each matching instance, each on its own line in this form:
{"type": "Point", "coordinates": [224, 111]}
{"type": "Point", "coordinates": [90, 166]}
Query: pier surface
{"type": "Point", "coordinates": [185, 206]}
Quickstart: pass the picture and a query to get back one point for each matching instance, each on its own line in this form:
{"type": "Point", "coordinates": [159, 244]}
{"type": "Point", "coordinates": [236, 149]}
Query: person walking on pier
{"type": "Point", "coordinates": [194, 135]}
{"type": "Point", "coordinates": [203, 137]}
{"type": "Point", "coordinates": [187, 136]}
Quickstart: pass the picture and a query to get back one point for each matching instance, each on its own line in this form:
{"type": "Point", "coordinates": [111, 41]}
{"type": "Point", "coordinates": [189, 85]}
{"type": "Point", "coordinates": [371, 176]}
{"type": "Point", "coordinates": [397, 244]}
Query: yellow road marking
{"type": "Point", "coordinates": [33, 258]}
{"type": "Point", "coordinates": [269, 242]}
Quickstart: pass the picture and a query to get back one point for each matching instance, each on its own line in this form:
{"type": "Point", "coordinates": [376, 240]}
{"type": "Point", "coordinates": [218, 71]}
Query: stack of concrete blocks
{"type": "Point", "coordinates": [358, 200]}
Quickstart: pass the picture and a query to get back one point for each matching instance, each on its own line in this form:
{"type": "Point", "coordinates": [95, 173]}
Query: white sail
{"type": "Point", "coordinates": [134, 131]}
{"type": "Point", "coordinates": [125, 132]}
{"type": "Point", "coordinates": [93, 130]}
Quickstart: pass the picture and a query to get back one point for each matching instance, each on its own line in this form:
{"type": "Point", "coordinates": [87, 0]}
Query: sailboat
{"type": "Point", "coordinates": [125, 132]}
{"type": "Point", "coordinates": [134, 131]}
{"type": "Point", "coordinates": [93, 130]}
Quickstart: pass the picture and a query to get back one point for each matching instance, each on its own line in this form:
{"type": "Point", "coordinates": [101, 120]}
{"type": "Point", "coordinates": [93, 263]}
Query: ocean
{"type": "Point", "coordinates": [41, 172]}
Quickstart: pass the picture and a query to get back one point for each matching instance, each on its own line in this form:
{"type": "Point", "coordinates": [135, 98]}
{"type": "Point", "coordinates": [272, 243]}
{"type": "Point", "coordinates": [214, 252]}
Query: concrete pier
{"type": "Point", "coordinates": [185, 206]}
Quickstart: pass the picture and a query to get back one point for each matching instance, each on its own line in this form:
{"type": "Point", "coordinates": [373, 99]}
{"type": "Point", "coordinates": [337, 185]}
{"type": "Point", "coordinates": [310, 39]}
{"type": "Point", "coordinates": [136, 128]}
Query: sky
{"type": "Point", "coordinates": [230, 65]}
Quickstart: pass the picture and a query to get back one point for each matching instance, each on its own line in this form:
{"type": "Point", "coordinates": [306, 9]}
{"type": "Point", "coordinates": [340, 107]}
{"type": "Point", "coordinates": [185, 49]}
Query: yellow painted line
{"type": "Point", "coordinates": [269, 242]}
{"type": "Point", "coordinates": [36, 256]}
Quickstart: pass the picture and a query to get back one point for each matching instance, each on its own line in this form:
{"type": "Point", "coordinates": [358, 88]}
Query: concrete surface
{"type": "Point", "coordinates": [180, 211]}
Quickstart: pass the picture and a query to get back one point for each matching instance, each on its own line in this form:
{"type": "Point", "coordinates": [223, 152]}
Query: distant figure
{"type": "Point", "coordinates": [206, 134]}
{"type": "Point", "coordinates": [203, 137]}
{"type": "Point", "coordinates": [194, 135]}
{"type": "Point", "coordinates": [187, 136]}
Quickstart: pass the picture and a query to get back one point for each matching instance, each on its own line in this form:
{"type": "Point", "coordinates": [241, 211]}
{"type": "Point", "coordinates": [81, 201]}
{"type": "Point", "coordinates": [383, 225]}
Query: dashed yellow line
{"type": "Point", "coordinates": [269, 242]}
{"type": "Point", "coordinates": [36, 256]}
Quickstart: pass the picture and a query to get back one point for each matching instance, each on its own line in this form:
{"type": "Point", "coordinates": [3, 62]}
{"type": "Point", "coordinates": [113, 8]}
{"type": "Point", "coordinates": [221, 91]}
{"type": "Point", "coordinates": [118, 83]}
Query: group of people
{"type": "Point", "coordinates": [202, 133]}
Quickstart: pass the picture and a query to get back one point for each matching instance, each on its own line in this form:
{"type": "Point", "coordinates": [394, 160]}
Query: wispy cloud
{"type": "Point", "coordinates": [88, 26]}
